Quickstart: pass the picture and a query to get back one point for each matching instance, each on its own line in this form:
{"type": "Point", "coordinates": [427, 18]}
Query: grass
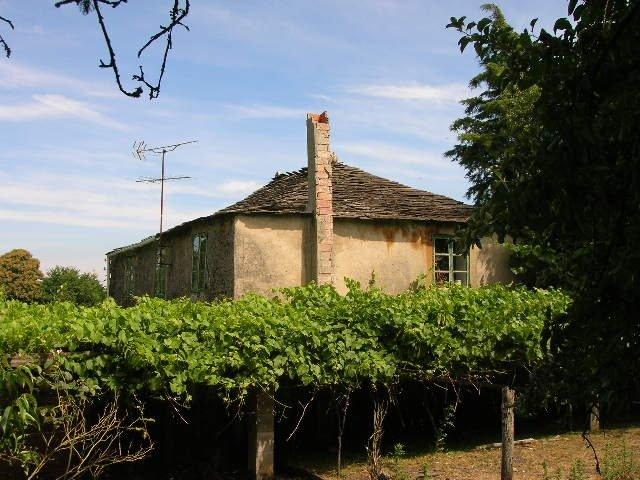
{"type": "Point", "coordinates": [559, 452]}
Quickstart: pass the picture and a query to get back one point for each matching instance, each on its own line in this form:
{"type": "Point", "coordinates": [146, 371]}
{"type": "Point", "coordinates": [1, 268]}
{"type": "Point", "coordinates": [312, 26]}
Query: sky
{"type": "Point", "coordinates": [240, 82]}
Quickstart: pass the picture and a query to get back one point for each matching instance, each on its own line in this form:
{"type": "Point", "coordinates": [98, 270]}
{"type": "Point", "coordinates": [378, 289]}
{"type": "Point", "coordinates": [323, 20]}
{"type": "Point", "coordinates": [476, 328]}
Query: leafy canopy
{"type": "Point", "coordinates": [551, 147]}
{"type": "Point", "coordinates": [20, 276]}
{"type": "Point", "coordinates": [311, 336]}
{"type": "Point", "coordinates": [68, 284]}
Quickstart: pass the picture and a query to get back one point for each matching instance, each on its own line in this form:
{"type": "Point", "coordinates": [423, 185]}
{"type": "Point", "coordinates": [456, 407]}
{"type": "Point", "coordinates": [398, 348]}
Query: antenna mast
{"type": "Point", "coordinates": [140, 151]}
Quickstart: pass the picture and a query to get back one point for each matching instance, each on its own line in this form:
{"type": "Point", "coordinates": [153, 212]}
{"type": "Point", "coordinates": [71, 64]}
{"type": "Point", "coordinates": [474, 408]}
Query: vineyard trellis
{"type": "Point", "coordinates": [311, 336]}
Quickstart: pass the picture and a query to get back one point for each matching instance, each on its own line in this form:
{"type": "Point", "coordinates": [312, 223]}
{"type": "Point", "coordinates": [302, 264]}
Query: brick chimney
{"type": "Point", "coordinates": [320, 200]}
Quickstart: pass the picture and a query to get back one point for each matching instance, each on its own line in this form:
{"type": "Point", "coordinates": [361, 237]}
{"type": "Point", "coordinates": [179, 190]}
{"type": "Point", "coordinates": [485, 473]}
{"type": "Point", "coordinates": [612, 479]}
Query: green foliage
{"type": "Point", "coordinates": [397, 472]}
{"type": "Point", "coordinates": [20, 276]}
{"type": "Point", "coordinates": [307, 335]}
{"type": "Point", "coordinates": [618, 464]}
{"type": "Point", "coordinates": [67, 284]}
{"type": "Point", "coordinates": [425, 471]}
{"type": "Point", "coordinates": [20, 412]}
{"type": "Point", "coordinates": [578, 471]}
{"type": "Point", "coordinates": [551, 148]}
{"type": "Point", "coordinates": [312, 336]}
{"type": "Point", "coordinates": [446, 426]}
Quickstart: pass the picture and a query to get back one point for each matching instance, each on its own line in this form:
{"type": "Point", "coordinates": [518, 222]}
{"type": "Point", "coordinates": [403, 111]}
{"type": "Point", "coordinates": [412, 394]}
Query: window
{"type": "Point", "coordinates": [162, 269]}
{"type": "Point", "coordinates": [451, 262]}
{"type": "Point", "coordinates": [199, 265]}
{"type": "Point", "coordinates": [129, 275]}
{"type": "Point", "coordinates": [161, 280]}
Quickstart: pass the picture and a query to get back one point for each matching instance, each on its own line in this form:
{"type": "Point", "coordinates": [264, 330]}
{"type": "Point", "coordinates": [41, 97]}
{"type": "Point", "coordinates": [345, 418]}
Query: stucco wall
{"type": "Point", "coordinates": [258, 253]}
{"type": "Point", "coordinates": [490, 264]}
{"type": "Point", "coordinates": [269, 252]}
{"type": "Point", "coordinates": [396, 252]}
{"type": "Point", "coordinates": [219, 232]}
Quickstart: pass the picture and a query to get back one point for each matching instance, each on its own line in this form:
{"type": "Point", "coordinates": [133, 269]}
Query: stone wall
{"type": "Point", "coordinates": [220, 266]}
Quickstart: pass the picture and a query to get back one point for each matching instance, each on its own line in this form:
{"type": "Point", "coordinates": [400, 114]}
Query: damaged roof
{"type": "Point", "coordinates": [356, 194]}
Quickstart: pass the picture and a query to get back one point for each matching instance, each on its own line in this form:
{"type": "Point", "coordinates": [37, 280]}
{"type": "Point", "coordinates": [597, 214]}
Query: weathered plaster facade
{"type": "Point", "coordinates": [395, 253]}
{"type": "Point", "coordinates": [324, 224]}
{"type": "Point", "coordinates": [270, 251]}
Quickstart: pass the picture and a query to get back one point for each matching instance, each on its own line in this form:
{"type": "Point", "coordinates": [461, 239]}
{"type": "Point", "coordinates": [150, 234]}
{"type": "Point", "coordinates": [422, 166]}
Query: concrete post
{"type": "Point", "coordinates": [508, 404]}
{"type": "Point", "coordinates": [261, 437]}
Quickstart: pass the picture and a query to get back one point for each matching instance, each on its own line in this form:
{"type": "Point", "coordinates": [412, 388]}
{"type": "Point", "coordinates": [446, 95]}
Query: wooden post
{"type": "Point", "coordinates": [261, 437]}
{"type": "Point", "coordinates": [508, 404]}
{"type": "Point", "coordinates": [594, 417]}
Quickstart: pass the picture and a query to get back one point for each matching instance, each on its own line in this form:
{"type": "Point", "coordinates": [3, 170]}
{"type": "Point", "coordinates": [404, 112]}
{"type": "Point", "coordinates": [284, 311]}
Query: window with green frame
{"type": "Point", "coordinates": [199, 264]}
{"type": "Point", "coordinates": [129, 275]}
{"type": "Point", "coordinates": [161, 281]}
{"type": "Point", "coordinates": [451, 261]}
{"type": "Point", "coordinates": [162, 270]}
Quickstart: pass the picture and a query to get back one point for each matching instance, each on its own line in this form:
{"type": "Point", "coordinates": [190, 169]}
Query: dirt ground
{"type": "Point", "coordinates": [478, 463]}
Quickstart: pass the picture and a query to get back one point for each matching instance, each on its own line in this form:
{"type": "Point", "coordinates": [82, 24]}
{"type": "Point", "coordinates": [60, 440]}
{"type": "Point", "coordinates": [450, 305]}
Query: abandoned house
{"type": "Point", "coordinates": [323, 223]}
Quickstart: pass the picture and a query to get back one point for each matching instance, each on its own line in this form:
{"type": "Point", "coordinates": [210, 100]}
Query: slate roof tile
{"type": "Point", "coordinates": [356, 194]}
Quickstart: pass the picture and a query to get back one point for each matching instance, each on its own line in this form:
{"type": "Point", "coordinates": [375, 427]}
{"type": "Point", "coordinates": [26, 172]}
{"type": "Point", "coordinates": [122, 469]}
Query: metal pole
{"type": "Point", "coordinates": [162, 193]}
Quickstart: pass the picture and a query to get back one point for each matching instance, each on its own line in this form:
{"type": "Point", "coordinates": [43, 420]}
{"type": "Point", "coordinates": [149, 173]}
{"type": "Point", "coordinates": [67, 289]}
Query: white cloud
{"type": "Point", "coordinates": [393, 154]}
{"type": "Point", "coordinates": [98, 202]}
{"type": "Point", "coordinates": [227, 189]}
{"type": "Point", "coordinates": [238, 187]}
{"type": "Point", "coordinates": [447, 93]}
{"type": "Point", "coordinates": [257, 26]}
{"type": "Point", "coordinates": [56, 106]}
{"type": "Point", "coordinates": [15, 75]}
{"type": "Point", "coordinates": [265, 111]}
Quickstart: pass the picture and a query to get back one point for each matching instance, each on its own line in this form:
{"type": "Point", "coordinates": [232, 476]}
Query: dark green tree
{"type": "Point", "coordinates": [552, 149]}
{"type": "Point", "coordinates": [68, 284]}
{"type": "Point", "coordinates": [20, 276]}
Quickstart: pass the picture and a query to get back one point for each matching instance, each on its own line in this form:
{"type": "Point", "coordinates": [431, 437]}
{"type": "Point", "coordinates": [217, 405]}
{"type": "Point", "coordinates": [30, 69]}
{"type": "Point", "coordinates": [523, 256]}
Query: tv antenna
{"type": "Point", "coordinates": [140, 151]}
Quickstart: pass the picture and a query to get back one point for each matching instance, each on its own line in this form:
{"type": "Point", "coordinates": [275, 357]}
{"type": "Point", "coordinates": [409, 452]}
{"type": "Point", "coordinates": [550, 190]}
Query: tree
{"type": "Point", "coordinates": [552, 150]}
{"type": "Point", "coordinates": [177, 14]}
{"type": "Point", "coordinates": [20, 276]}
{"type": "Point", "coordinates": [67, 284]}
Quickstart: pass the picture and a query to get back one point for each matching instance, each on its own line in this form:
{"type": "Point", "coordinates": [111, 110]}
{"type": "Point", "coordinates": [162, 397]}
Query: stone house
{"type": "Point", "coordinates": [324, 223]}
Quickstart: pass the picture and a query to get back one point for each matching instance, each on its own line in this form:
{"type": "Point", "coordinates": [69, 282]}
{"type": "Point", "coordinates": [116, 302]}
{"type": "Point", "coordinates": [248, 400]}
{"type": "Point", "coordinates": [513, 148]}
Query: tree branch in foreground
{"type": "Point", "coordinates": [177, 14]}
{"type": "Point", "coordinates": [3, 43]}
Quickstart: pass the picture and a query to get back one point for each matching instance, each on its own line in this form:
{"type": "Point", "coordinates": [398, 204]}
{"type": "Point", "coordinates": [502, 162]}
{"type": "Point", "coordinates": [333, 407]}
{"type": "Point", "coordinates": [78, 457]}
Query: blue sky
{"type": "Point", "coordinates": [240, 82]}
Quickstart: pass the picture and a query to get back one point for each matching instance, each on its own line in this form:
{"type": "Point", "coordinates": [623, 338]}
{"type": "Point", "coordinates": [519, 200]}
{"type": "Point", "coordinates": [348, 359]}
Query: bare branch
{"type": "Point", "coordinates": [86, 447]}
{"type": "Point", "coordinates": [304, 410]}
{"type": "Point", "coordinates": [177, 14]}
{"type": "Point", "coordinates": [3, 43]}
{"type": "Point", "coordinates": [112, 56]}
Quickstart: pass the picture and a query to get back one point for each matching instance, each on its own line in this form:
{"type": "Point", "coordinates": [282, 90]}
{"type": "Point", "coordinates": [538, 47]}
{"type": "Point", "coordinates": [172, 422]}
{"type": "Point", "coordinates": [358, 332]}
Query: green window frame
{"type": "Point", "coordinates": [162, 271]}
{"type": "Point", "coordinates": [129, 275]}
{"type": "Point", "coordinates": [199, 274]}
{"type": "Point", "coordinates": [450, 261]}
{"type": "Point", "coordinates": [161, 281]}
